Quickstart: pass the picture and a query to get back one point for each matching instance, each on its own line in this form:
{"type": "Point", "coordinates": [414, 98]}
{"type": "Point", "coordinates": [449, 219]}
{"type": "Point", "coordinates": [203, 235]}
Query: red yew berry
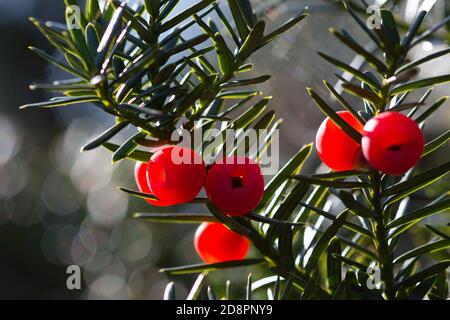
{"type": "Point", "coordinates": [337, 149]}
{"type": "Point", "coordinates": [216, 243]}
{"type": "Point", "coordinates": [235, 185]}
{"type": "Point", "coordinates": [392, 143]}
{"type": "Point", "coordinates": [140, 175]}
{"type": "Point", "coordinates": [176, 174]}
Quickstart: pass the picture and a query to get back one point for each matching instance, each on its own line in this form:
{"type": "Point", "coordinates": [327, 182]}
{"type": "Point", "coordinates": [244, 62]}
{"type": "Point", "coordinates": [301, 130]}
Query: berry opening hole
{"type": "Point", "coordinates": [394, 147]}
{"type": "Point", "coordinates": [237, 182]}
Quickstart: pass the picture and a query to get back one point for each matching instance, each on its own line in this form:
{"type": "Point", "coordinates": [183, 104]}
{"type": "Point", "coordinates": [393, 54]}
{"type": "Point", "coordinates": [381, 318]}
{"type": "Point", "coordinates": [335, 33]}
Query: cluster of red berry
{"type": "Point", "coordinates": [234, 185]}
{"type": "Point", "coordinates": [391, 143]}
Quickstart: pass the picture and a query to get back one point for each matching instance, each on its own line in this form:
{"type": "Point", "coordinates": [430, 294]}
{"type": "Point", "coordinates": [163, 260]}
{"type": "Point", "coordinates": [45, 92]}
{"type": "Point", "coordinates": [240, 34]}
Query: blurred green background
{"type": "Point", "coordinates": [59, 207]}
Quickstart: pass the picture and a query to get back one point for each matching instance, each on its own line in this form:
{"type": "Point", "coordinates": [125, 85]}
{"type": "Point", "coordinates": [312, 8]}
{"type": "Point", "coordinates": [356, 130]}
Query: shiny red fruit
{"type": "Point", "coordinates": [216, 243]}
{"type": "Point", "coordinates": [337, 149]}
{"type": "Point", "coordinates": [235, 185]}
{"type": "Point", "coordinates": [176, 174]}
{"type": "Point", "coordinates": [392, 143]}
{"type": "Point", "coordinates": [140, 175]}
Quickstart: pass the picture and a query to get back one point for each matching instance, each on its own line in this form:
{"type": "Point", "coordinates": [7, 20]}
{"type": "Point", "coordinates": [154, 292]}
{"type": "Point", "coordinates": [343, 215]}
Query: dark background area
{"type": "Point", "coordinates": [24, 271]}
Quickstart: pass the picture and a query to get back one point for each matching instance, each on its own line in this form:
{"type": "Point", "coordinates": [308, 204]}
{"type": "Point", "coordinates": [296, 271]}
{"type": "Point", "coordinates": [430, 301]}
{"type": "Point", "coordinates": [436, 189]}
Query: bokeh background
{"type": "Point", "coordinates": [59, 207]}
